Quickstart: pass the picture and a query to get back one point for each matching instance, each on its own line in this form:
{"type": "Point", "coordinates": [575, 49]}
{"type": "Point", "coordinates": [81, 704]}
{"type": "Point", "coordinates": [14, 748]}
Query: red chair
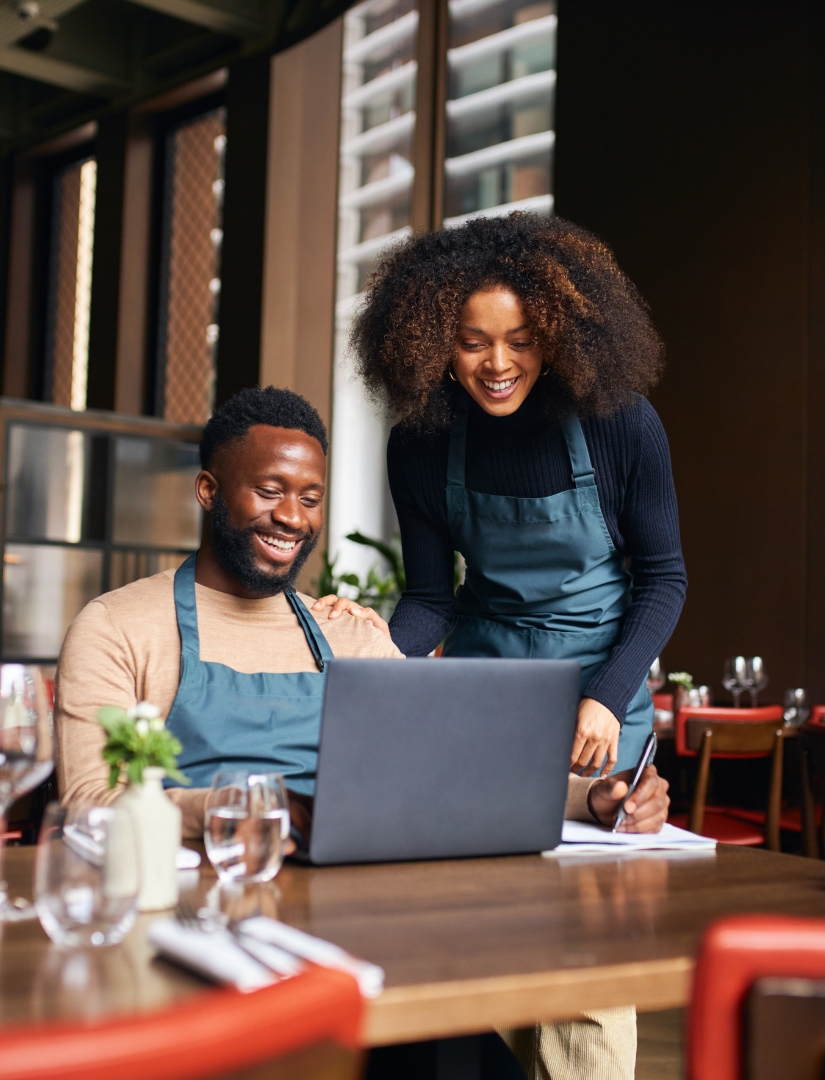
{"type": "Point", "coordinates": [663, 702]}
{"type": "Point", "coordinates": [309, 1023]}
{"type": "Point", "coordinates": [735, 953]}
{"type": "Point", "coordinates": [817, 715]}
{"type": "Point", "coordinates": [740, 734]}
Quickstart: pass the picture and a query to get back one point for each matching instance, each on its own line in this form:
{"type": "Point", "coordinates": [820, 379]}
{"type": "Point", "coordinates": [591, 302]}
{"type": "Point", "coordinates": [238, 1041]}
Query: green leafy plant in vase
{"type": "Point", "coordinates": [140, 749]}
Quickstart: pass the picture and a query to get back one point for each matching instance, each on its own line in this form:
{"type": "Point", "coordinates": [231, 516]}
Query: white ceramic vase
{"type": "Point", "coordinates": [157, 826]}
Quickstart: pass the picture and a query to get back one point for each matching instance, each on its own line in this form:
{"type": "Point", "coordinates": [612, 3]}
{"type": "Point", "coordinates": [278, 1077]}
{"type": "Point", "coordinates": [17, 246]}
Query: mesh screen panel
{"type": "Point", "coordinates": [194, 203]}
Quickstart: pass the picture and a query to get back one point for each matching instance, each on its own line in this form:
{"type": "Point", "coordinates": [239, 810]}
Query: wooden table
{"type": "Point", "coordinates": [467, 945]}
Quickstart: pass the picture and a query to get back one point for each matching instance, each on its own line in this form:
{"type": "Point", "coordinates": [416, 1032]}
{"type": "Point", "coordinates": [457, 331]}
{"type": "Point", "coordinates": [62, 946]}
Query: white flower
{"type": "Point", "coordinates": [142, 727]}
{"type": "Point", "coordinates": [157, 723]}
{"type": "Point", "coordinates": [143, 711]}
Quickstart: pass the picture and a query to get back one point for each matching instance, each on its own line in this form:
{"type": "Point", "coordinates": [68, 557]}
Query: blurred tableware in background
{"type": "Point", "coordinates": [26, 752]}
{"type": "Point", "coordinates": [797, 710]}
{"type": "Point", "coordinates": [655, 677]}
{"type": "Point", "coordinates": [247, 825]}
{"type": "Point", "coordinates": [755, 678]}
{"type": "Point", "coordinates": [86, 875]}
{"type": "Point", "coordinates": [734, 678]}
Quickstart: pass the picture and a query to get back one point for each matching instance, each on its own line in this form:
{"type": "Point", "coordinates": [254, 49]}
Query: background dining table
{"type": "Point", "coordinates": [467, 945]}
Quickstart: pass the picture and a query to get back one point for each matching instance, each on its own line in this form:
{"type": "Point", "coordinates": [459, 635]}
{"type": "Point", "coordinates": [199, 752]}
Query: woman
{"type": "Point", "coordinates": [514, 353]}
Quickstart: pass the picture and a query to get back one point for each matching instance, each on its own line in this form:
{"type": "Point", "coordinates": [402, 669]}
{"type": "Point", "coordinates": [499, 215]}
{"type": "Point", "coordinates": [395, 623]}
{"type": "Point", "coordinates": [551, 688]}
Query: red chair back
{"type": "Point", "coordinates": [211, 1034]}
{"type": "Point", "coordinates": [663, 702]}
{"type": "Point", "coordinates": [733, 954]}
{"type": "Point", "coordinates": [817, 715]}
{"type": "Point", "coordinates": [743, 716]}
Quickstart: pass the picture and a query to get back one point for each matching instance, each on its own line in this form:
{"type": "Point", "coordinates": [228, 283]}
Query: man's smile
{"type": "Point", "coordinates": [279, 549]}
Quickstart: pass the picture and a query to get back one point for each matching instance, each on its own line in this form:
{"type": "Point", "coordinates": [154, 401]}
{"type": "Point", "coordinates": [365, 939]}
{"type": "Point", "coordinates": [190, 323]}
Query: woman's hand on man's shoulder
{"type": "Point", "coordinates": [340, 605]}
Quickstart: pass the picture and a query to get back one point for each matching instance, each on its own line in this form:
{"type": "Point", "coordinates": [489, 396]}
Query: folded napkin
{"type": "Point", "coordinates": [187, 859]}
{"type": "Point", "coordinates": [221, 956]}
{"type": "Point", "coordinates": [370, 977]}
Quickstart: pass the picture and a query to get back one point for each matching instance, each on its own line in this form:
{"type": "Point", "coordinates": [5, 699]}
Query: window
{"type": "Point", "coordinates": [488, 144]}
{"type": "Point", "coordinates": [374, 209]}
{"type": "Point", "coordinates": [190, 269]}
{"type": "Point", "coordinates": [70, 284]}
{"type": "Point", "coordinates": [501, 82]}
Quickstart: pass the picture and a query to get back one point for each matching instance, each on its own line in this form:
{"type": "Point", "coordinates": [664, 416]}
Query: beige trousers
{"type": "Point", "coordinates": [600, 1046]}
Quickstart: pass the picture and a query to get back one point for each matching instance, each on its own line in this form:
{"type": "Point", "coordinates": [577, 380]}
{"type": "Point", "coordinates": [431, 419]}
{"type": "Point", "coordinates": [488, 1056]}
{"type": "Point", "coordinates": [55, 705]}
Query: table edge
{"type": "Point", "coordinates": [470, 1006]}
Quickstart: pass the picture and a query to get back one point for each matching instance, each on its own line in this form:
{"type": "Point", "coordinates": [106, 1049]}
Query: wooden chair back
{"type": "Point", "coordinates": [712, 738]}
{"type": "Point", "coordinates": [720, 712]}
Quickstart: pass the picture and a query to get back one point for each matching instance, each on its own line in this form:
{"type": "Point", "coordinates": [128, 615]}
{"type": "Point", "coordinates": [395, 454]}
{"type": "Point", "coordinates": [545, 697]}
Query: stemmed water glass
{"type": "Point", "coordinates": [797, 710]}
{"type": "Point", "coordinates": [755, 678]}
{"type": "Point", "coordinates": [734, 677]}
{"type": "Point", "coordinates": [26, 752]}
{"type": "Point", "coordinates": [655, 677]}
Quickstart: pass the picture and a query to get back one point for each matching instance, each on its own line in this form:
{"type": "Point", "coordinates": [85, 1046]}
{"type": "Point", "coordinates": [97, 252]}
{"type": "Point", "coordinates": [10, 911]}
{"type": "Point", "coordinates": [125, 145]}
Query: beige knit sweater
{"type": "Point", "coordinates": [124, 647]}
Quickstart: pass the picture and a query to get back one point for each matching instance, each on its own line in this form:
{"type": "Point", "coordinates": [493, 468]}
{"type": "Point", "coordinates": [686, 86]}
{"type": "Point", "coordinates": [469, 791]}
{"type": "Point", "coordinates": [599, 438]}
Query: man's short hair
{"type": "Point", "coordinates": [278, 408]}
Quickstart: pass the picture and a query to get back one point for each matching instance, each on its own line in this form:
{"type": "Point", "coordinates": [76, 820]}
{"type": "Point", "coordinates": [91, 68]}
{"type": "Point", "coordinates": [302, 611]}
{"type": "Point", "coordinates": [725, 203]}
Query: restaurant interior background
{"type": "Point", "coordinates": [190, 204]}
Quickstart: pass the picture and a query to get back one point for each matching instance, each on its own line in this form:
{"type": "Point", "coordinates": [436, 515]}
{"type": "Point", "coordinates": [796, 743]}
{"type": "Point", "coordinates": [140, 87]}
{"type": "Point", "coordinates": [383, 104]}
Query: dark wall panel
{"type": "Point", "coordinates": [685, 140]}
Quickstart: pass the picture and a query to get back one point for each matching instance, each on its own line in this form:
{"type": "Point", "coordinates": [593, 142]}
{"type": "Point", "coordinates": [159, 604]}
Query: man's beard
{"type": "Point", "coordinates": [234, 550]}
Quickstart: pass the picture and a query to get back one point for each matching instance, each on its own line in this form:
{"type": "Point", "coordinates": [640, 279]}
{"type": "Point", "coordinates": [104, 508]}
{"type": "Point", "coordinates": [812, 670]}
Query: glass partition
{"type": "Point", "coordinates": [154, 493]}
{"type": "Point", "coordinates": [86, 511]}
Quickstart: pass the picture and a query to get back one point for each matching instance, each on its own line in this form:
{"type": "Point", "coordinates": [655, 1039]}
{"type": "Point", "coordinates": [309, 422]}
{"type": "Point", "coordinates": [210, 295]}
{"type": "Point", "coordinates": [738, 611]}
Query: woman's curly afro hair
{"type": "Point", "coordinates": [593, 327]}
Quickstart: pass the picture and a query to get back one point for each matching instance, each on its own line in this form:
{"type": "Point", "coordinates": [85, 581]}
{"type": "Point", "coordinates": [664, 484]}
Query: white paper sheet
{"type": "Point", "coordinates": [584, 838]}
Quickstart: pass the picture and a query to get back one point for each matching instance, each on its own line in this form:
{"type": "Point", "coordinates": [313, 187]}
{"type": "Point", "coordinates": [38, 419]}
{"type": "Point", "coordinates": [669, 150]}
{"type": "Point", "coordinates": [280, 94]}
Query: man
{"type": "Point", "coordinates": [224, 646]}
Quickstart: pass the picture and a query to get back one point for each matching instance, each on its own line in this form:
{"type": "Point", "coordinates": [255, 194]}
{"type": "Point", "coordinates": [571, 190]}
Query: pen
{"type": "Point", "coordinates": [646, 758]}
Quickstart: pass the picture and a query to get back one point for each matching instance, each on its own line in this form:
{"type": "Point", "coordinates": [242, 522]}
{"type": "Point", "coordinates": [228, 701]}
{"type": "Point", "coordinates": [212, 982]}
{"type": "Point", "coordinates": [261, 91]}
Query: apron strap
{"type": "Point", "coordinates": [581, 468]}
{"type": "Point", "coordinates": [458, 445]}
{"type": "Point", "coordinates": [318, 644]}
{"type": "Point", "coordinates": [186, 608]}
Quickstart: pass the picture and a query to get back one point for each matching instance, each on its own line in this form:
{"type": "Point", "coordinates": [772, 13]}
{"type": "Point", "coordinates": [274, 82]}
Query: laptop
{"type": "Point", "coordinates": [436, 759]}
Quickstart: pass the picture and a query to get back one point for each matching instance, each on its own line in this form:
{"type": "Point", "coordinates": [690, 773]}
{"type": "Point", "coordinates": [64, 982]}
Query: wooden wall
{"type": "Point", "coordinates": [690, 138]}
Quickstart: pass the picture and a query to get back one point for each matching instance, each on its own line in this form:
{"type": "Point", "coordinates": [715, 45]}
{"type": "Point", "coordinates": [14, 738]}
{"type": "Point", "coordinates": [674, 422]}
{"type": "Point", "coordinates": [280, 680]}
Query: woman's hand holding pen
{"type": "Point", "coordinates": [646, 809]}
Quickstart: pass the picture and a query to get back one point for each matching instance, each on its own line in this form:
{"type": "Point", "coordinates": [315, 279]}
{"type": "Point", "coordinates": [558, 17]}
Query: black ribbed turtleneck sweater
{"type": "Point", "coordinates": [525, 455]}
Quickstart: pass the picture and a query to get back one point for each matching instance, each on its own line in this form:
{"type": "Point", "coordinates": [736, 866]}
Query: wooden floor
{"type": "Point", "coordinates": [660, 1054]}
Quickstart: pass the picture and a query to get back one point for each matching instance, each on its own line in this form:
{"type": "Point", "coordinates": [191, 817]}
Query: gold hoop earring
{"type": "Point", "coordinates": [450, 373]}
{"type": "Point", "coordinates": [544, 370]}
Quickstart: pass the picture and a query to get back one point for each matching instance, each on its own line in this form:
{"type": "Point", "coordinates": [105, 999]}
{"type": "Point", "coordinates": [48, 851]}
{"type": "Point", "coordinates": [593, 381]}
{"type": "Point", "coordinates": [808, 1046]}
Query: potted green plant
{"type": "Point", "coordinates": [139, 748]}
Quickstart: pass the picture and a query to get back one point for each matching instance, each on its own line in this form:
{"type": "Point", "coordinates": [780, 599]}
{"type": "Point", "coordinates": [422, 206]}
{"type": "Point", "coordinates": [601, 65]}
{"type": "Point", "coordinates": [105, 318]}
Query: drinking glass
{"type": "Point", "coordinates": [733, 678]}
{"type": "Point", "coordinates": [26, 752]}
{"type": "Point", "coordinates": [797, 710]}
{"type": "Point", "coordinates": [655, 677]}
{"type": "Point", "coordinates": [755, 678]}
{"type": "Point", "coordinates": [86, 875]}
{"type": "Point", "coordinates": [247, 824]}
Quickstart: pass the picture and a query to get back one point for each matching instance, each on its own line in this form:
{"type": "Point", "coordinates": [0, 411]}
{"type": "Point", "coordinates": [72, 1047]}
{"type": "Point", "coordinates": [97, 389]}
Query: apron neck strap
{"type": "Point", "coordinates": [187, 613]}
{"type": "Point", "coordinates": [581, 468]}
{"type": "Point", "coordinates": [458, 444]}
{"type": "Point", "coordinates": [186, 609]}
{"type": "Point", "coordinates": [582, 472]}
{"type": "Point", "coordinates": [318, 644]}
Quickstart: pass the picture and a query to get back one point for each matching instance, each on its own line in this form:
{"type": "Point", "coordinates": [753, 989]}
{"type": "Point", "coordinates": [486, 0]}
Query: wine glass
{"type": "Point", "coordinates": [247, 825]}
{"type": "Point", "coordinates": [86, 875]}
{"type": "Point", "coordinates": [655, 677]}
{"type": "Point", "coordinates": [733, 677]}
{"type": "Point", "coordinates": [26, 752]}
{"type": "Point", "coordinates": [797, 710]}
{"type": "Point", "coordinates": [755, 678]}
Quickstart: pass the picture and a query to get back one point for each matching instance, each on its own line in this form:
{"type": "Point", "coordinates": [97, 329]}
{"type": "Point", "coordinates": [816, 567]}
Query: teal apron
{"type": "Point", "coordinates": [226, 719]}
{"type": "Point", "coordinates": [543, 577]}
